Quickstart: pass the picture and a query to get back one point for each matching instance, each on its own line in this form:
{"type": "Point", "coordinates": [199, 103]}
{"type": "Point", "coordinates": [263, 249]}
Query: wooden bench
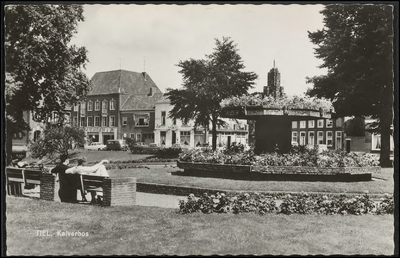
{"type": "Point", "coordinates": [91, 183]}
{"type": "Point", "coordinates": [18, 177]}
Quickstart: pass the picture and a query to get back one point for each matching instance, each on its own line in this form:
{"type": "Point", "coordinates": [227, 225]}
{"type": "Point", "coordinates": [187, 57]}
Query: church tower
{"type": "Point", "coordinates": [274, 87]}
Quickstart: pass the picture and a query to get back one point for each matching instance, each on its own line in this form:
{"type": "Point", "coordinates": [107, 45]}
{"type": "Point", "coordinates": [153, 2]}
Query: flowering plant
{"type": "Point", "coordinates": [301, 203]}
{"type": "Point", "coordinates": [292, 102]}
{"type": "Point", "coordinates": [297, 157]}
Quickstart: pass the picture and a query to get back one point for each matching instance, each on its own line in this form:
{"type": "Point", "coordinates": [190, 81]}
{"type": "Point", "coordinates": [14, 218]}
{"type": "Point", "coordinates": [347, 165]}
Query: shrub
{"type": "Point", "coordinates": [302, 203]}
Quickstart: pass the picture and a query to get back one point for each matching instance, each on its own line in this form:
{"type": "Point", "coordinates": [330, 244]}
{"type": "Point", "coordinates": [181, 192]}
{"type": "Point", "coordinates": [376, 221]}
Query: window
{"type": "Point", "coordinates": [90, 106]}
{"type": "Point", "coordinates": [125, 121]}
{"type": "Point", "coordinates": [162, 138]}
{"type": "Point", "coordinates": [311, 138]}
{"type": "Point", "coordinates": [376, 141]}
{"type": "Point", "coordinates": [338, 140]}
{"type": "Point", "coordinates": [320, 123]}
{"type": "Point", "coordinates": [67, 117]}
{"type": "Point", "coordinates": [75, 121]}
{"type": "Point", "coordinates": [83, 108]}
{"type": "Point", "coordinates": [320, 137]}
{"type": "Point", "coordinates": [96, 121]}
{"type": "Point", "coordinates": [97, 105]}
{"type": "Point", "coordinates": [294, 137]}
{"type": "Point", "coordinates": [163, 114]}
{"type": "Point", "coordinates": [294, 124]}
{"type": "Point", "coordinates": [36, 135]}
{"type": "Point", "coordinates": [132, 136]}
{"type": "Point", "coordinates": [329, 138]}
{"type": "Point", "coordinates": [302, 124]}
{"type": "Point", "coordinates": [82, 122]}
{"type": "Point", "coordinates": [89, 121]}
{"type": "Point", "coordinates": [112, 120]}
{"type": "Point", "coordinates": [112, 105]}
{"type": "Point", "coordinates": [174, 121]}
{"type": "Point", "coordinates": [141, 120]}
{"type": "Point", "coordinates": [76, 108]}
{"type": "Point", "coordinates": [148, 136]}
{"type": "Point", "coordinates": [104, 121]}
{"type": "Point", "coordinates": [185, 137]}
{"type": "Point", "coordinates": [104, 106]}
{"type": "Point", "coordinates": [138, 137]}
{"type": "Point", "coordinates": [311, 123]}
{"type": "Point", "coordinates": [329, 123]}
{"type": "Point", "coordinates": [302, 138]}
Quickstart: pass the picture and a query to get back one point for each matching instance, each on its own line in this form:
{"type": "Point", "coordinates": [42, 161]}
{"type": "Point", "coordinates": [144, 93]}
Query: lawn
{"type": "Point", "coordinates": [166, 175]}
{"type": "Point", "coordinates": [142, 230]}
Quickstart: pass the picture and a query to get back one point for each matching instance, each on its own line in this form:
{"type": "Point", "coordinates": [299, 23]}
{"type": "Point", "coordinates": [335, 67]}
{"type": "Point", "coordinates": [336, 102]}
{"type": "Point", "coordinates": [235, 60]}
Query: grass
{"type": "Point", "coordinates": [156, 231]}
{"type": "Point", "coordinates": [164, 175]}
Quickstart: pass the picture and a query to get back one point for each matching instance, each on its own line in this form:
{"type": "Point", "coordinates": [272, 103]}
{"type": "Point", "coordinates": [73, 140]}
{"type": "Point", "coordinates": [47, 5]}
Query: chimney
{"type": "Point", "coordinates": [144, 76]}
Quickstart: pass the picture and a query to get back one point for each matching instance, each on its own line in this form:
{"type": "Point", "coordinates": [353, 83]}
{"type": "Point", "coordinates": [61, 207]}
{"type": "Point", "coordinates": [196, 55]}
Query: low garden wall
{"type": "Point", "coordinates": [251, 172]}
{"type": "Point", "coordinates": [116, 191]}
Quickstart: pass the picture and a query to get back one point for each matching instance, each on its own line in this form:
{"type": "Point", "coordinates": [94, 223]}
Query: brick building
{"type": "Point", "coordinates": [119, 105]}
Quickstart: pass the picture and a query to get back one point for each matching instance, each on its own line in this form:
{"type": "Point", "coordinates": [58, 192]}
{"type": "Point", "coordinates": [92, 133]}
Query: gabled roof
{"type": "Point", "coordinates": [141, 102]}
{"type": "Point", "coordinates": [121, 81]}
{"type": "Point", "coordinates": [164, 99]}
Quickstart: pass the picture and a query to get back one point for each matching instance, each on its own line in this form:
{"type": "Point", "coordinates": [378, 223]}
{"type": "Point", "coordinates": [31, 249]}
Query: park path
{"type": "Point", "coordinates": [142, 199]}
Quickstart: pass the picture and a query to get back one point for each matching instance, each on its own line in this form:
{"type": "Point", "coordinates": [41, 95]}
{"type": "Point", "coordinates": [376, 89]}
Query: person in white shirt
{"type": "Point", "coordinates": [98, 170]}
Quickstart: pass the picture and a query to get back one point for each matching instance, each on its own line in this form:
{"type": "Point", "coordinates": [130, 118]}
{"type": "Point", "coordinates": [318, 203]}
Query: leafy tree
{"type": "Point", "coordinates": [206, 82]}
{"type": "Point", "coordinates": [43, 70]}
{"type": "Point", "coordinates": [57, 140]}
{"type": "Point", "coordinates": [356, 46]}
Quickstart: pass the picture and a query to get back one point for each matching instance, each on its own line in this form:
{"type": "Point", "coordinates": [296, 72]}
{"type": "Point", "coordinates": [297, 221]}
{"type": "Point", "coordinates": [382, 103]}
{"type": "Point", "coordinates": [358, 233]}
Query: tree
{"type": "Point", "coordinates": [57, 140]}
{"type": "Point", "coordinates": [208, 81]}
{"type": "Point", "coordinates": [43, 70]}
{"type": "Point", "coordinates": [356, 46]}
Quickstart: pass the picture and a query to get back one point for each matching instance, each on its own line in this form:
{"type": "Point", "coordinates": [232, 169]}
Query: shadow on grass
{"type": "Point", "coordinates": [275, 177]}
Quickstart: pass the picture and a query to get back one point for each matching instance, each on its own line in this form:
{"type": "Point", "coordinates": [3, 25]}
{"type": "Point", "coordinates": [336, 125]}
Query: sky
{"type": "Point", "coordinates": [154, 38]}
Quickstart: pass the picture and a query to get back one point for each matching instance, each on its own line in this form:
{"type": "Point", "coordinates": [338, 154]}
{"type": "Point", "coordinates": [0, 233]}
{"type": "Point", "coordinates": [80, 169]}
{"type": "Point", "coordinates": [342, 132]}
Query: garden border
{"type": "Point", "coordinates": [278, 172]}
{"type": "Point", "coordinates": [184, 191]}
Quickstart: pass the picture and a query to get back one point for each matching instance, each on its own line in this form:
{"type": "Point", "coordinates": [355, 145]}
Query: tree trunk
{"type": "Point", "coordinates": [206, 133]}
{"type": "Point", "coordinates": [9, 146]}
{"type": "Point", "coordinates": [214, 133]}
{"type": "Point", "coordinates": [385, 123]}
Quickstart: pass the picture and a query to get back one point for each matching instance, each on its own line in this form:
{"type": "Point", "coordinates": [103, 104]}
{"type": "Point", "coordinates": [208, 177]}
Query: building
{"type": "Point", "coordinates": [327, 132]}
{"type": "Point", "coordinates": [119, 105]}
{"type": "Point", "coordinates": [274, 87]}
{"type": "Point", "coordinates": [168, 131]}
{"type": "Point", "coordinates": [358, 139]}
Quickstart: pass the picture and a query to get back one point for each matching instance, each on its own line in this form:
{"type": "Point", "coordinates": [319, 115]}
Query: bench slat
{"type": "Point", "coordinates": [92, 183]}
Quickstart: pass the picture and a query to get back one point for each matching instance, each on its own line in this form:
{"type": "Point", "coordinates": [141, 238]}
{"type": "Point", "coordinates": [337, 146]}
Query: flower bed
{"type": "Point", "coordinates": [300, 161]}
{"type": "Point", "coordinates": [303, 203]}
{"type": "Point", "coordinates": [298, 156]}
{"type": "Point", "coordinates": [293, 102]}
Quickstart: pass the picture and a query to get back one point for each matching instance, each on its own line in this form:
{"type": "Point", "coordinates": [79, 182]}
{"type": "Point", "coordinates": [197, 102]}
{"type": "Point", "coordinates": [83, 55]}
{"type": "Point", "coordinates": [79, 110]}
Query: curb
{"type": "Point", "coordinates": [185, 191]}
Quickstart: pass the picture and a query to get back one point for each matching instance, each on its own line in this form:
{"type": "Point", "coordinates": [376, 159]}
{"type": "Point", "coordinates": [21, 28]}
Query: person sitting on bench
{"type": "Point", "coordinates": [97, 170]}
{"type": "Point", "coordinates": [68, 183]}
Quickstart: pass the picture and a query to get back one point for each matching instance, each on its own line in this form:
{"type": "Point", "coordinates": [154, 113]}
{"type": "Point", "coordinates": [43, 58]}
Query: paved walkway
{"type": "Point", "coordinates": [142, 199]}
